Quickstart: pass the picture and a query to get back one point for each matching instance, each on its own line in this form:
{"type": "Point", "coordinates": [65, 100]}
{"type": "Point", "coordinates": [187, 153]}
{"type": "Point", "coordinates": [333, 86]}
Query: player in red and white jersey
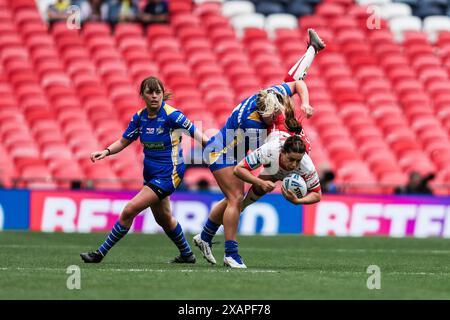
{"type": "Point", "coordinates": [280, 157]}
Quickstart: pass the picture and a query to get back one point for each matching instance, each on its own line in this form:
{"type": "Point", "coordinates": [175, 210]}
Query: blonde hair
{"type": "Point", "coordinates": [269, 102]}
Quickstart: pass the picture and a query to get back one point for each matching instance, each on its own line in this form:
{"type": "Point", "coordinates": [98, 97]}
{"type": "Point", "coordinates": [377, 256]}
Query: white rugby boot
{"type": "Point", "coordinates": [205, 248]}
{"type": "Point", "coordinates": [233, 263]}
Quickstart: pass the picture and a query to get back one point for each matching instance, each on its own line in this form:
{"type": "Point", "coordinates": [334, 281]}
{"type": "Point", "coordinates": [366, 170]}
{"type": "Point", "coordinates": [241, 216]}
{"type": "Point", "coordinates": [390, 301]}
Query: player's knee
{"type": "Point", "coordinates": [235, 198]}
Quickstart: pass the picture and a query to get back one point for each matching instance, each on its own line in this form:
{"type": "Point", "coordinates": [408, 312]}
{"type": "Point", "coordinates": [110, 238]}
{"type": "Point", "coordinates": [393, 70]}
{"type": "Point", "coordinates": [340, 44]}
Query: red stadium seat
{"type": "Point", "coordinates": [124, 30]}
{"type": "Point", "coordinates": [220, 34]}
{"type": "Point", "coordinates": [370, 93]}
{"type": "Point", "coordinates": [184, 20]}
{"type": "Point", "coordinates": [180, 7]}
{"type": "Point", "coordinates": [193, 175]}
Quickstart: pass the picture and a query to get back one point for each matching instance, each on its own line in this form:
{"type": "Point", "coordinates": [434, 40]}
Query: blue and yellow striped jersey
{"type": "Point", "coordinates": [245, 115]}
{"type": "Point", "coordinates": [161, 134]}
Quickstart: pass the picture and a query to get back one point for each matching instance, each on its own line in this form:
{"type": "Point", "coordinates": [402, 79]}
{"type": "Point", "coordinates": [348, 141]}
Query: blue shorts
{"type": "Point", "coordinates": [221, 153]}
{"type": "Point", "coordinates": [163, 179]}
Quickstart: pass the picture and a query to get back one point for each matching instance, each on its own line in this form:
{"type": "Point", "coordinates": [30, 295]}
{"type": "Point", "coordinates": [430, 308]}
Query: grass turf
{"type": "Point", "coordinates": [34, 265]}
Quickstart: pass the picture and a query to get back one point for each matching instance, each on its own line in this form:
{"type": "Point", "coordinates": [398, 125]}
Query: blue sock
{"type": "Point", "coordinates": [117, 233]}
{"type": "Point", "coordinates": [177, 236]}
{"type": "Point", "coordinates": [209, 231]}
{"type": "Point", "coordinates": [231, 250]}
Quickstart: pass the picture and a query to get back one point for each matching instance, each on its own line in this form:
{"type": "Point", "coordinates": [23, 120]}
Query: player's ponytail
{"type": "Point", "coordinates": [294, 144]}
{"type": "Point", "coordinates": [153, 84]}
{"type": "Point", "coordinates": [291, 122]}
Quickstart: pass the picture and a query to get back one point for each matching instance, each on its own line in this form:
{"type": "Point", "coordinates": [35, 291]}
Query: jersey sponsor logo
{"type": "Point", "coordinates": [187, 124]}
{"type": "Point", "coordinates": [309, 176]}
{"type": "Point", "coordinates": [154, 145]}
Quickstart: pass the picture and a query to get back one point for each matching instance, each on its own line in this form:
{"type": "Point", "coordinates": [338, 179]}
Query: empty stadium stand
{"type": "Point", "coordinates": [381, 89]}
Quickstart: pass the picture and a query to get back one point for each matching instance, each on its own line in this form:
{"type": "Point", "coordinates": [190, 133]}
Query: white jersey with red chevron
{"type": "Point", "coordinates": [268, 155]}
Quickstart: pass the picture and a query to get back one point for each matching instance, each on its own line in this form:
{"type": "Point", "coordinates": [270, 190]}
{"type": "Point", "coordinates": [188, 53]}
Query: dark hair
{"type": "Point", "coordinates": [153, 84]}
{"type": "Point", "coordinates": [294, 144]}
{"type": "Point", "coordinates": [291, 121]}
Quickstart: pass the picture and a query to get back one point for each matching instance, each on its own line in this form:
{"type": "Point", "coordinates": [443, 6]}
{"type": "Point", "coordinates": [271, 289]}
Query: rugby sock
{"type": "Point", "coordinates": [231, 250]}
{"type": "Point", "coordinates": [299, 69]}
{"type": "Point", "coordinates": [177, 236]}
{"type": "Point", "coordinates": [117, 233]}
{"type": "Point", "coordinates": [250, 197]}
{"type": "Point", "coordinates": [209, 231]}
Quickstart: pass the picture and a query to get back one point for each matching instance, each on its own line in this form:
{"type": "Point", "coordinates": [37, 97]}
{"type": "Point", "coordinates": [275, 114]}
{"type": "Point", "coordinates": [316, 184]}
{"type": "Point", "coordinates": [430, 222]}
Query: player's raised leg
{"type": "Point", "coordinates": [163, 216]}
{"type": "Point", "coordinates": [136, 205]}
{"type": "Point", "coordinates": [300, 68]}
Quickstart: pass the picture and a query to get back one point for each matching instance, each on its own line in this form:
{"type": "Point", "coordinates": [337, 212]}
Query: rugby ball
{"type": "Point", "coordinates": [295, 183]}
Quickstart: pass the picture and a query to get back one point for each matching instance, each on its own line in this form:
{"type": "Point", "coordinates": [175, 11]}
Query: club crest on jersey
{"type": "Point", "coordinates": [159, 130]}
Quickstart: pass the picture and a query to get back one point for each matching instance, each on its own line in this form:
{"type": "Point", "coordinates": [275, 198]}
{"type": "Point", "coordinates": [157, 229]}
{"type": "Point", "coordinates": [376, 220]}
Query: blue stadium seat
{"type": "Point", "coordinates": [412, 3]}
{"type": "Point", "coordinates": [268, 7]}
{"type": "Point", "coordinates": [283, 2]}
{"type": "Point", "coordinates": [300, 8]}
{"type": "Point", "coordinates": [442, 3]}
{"type": "Point", "coordinates": [313, 2]}
{"type": "Point", "coordinates": [425, 9]}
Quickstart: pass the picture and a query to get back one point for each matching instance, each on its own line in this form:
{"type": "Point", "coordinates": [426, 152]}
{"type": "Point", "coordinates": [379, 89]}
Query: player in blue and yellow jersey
{"type": "Point", "coordinates": [246, 129]}
{"type": "Point", "coordinates": [159, 128]}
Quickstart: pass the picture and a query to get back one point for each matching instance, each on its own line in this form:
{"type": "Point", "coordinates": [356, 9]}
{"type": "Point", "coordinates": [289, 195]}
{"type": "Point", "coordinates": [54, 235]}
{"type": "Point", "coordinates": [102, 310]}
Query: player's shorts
{"type": "Point", "coordinates": [163, 179]}
{"type": "Point", "coordinates": [221, 152]}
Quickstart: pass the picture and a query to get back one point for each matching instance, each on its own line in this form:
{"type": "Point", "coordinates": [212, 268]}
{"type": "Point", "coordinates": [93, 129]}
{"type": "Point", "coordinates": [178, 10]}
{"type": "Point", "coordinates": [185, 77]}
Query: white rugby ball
{"type": "Point", "coordinates": [295, 183]}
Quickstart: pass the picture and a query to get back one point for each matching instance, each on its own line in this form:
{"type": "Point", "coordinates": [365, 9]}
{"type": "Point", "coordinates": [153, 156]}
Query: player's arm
{"type": "Point", "coordinates": [301, 89]}
{"type": "Point", "coordinates": [200, 137]}
{"type": "Point", "coordinates": [131, 133]}
{"type": "Point", "coordinates": [243, 171]}
{"type": "Point", "coordinates": [309, 198]}
{"type": "Point", "coordinates": [113, 148]}
{"type": "Point", "coordinates": [180, 121]}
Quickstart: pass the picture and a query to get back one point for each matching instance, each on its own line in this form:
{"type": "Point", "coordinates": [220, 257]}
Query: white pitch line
{"type": "Point", "coordinates": [42, 246]}
{"type": "Point", "coordinates": [228, 270]}
{"type": "Point", "coordinates": [353, 250]}
{"type": "Point", "coordinates": [408, 251]}
{"type": "Point", "coordinates": [138, 270]}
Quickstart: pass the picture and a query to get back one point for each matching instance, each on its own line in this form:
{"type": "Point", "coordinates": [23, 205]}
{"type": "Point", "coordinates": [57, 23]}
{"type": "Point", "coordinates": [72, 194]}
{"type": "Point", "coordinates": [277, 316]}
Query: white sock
{"type": "Point", "coordinates": [300, 68]}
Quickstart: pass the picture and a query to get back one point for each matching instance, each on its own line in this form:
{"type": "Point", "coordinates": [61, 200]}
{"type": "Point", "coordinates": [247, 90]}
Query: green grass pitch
{"type": "Point", "coordinates": [34, 266]}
